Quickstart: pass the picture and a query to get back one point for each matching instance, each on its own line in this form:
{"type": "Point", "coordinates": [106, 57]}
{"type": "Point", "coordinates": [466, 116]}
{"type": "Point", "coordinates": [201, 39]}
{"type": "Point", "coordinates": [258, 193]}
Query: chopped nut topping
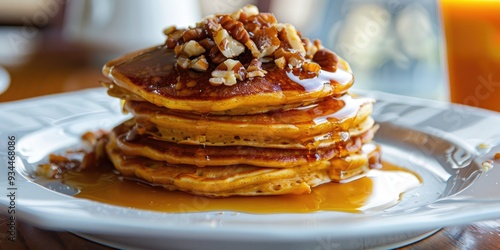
{"type": "Point", "coordinates": [191, 48]}
{"type": "Point", "coordinates": [267, 40]}
{"type": "Point", "coordinates": [255, 69]}
{"type": "Point", "coordinates": [207, 43]}
{"type": "Point", "coordinates": [293, 39]}
{"type": "Point", "coordinates": [228, 72]}
{"type": "Point", "coordinates": [93, 154]}
{"type": "Point", "coordinates": [236, 67]}
{"type": "Point", "coordinates": [226, 77]}
{"type": "Point", "coordinates": [326, 59]}
{"type": "Point", "coordinates": [255, 64]}
{"type": "Point", "coordinates": [293, 59]}
{"type": "Point", "coordinates": [256, 22]}
{"type": "Point", "coordinates": [228, 46]}
{"type": "Point", "coordinates": [235, 28]}
{"type": "Point", "coordinates": [173, 38]}
{"type": "Point", "coordinates": [311, 67]}
{"type": "Point", "coordinates": [199, 64]}
{"type": "Point", "coordinates": [280, 62]}
{"type": "Point", "coordinates": [167, 31]}
{"type": "Point", "coordinates": [183, 62]}
{"type": "Point", "coordinates": [193, 34]}
{"type": "Point", "coordinates": [236, 46]}
{"type": "Point", "coordinates": [216, 56]}
{"type": "Point", "coordinates": [310, 48]}
{"type": "Point", "coordinates": [250, 10]}
{"type": "Point", "coordinates": [256, 73]}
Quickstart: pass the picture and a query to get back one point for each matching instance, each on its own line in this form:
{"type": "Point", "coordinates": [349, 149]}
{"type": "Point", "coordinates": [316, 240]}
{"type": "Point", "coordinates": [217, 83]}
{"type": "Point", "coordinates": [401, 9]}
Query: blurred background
{"type": "Point", "coordinates": [392, 45]}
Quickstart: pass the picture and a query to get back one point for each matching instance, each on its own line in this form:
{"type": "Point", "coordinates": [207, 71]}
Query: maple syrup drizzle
{"type": "Point", "coordinates": [349, 108]}
{"type": "Point", "coordinates": [339, 77]}
{"type": "Point", "coordinates": [380, 188]}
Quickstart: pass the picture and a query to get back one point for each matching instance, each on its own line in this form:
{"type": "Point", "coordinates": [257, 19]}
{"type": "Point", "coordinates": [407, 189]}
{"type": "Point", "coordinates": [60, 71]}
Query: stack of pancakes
{"type": "Point", "coordinates": [239, 105]}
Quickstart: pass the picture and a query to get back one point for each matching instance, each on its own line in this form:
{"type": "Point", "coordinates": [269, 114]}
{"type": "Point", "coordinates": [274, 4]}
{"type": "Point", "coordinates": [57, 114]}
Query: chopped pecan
{"type": "Point", "coordinates": [183, 62]}
{"type": "Point", "coordinates": [311, 67]}
{"type": "Point", "coordinates": [193, 34]}
{"type": "Point", "coordinates": [293, 39]}
{"type": "Point", "coordinates": [253, 48]}
{"type": "Point", "coordinates": [267, 40]}
{"type": "Point", "coordinates": [199, 64]}
{"type": "Point", "coordinates": [207, 43]}
{"type": "Point", "coordinates": [225, 77]}
{"type": "Point", "coordinates": [256, 22]}
{"type": "Point", "coordinates": [250, 10]}
{"type": "Point", "coordinates": [293, 59]}
{"type": "Point", "coordinates": [235, 28]}
{"type": "Point", "coordinates": [235, 66]}
{"type": "Point", "coordinates": [216, 56]}
{"type": "Point", "coordinates": [280, 62]}
{"type": "Point", "coordinates": [238, 32]}
{"type": "Point", "coordinates": [228, 73]}
{"type": "Point", "coordinates": [173, 38]}
{"type": "Point", "coordinates": [255, 69]}
{"type": "Point", "coordinates": [243, 13]}
{"type": "Point", "coordinates": [221, 42]}
{"type": "Point", "coordinates": [211, 26]}
{"type": "Point", "coordinates": [167, 31]}
{"type": "Point", "coordinates": [311, 48]}
{"type": "Point", "coordinates": [326, 59]}
{"type": "Point", "coordinates": [227, 45]}
{"type": "Point", "coordinates": [191, 48]}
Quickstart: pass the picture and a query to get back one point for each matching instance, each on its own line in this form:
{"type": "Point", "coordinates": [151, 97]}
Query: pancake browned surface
{"type": "Point", "coordinates": [231, 180]}
{"type": "Point", "coordinates": [239, 104]}
{"type": "Point", "coordinates": [134, 144]}
{"type": "Point", "coordinates": [318, 125]}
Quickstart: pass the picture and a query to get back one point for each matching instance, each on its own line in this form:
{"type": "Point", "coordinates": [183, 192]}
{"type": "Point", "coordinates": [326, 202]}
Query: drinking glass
{"type": "Point", "coordinates": [472, 34]}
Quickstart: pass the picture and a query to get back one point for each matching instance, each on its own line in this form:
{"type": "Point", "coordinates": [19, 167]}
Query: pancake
{"type": "Point", "coordinates": [318, 125]}
{"type": "Point", "coordinates": [133, 144]}
{"type": "Point", "coordinates": [149, 75]}
{"type": "Point", "coordinates": [266, 138]}
{"type": "Point", "coordinates": [240, 180]}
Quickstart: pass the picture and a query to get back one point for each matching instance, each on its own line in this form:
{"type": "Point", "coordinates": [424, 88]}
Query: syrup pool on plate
{"type": "Point", "coordinates": [379, 189]}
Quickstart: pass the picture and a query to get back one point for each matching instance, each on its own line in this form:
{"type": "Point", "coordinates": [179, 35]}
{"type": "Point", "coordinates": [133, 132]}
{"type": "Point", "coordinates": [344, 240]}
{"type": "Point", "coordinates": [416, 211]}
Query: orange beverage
{"type": "Point", "coordinates": [472, 33]}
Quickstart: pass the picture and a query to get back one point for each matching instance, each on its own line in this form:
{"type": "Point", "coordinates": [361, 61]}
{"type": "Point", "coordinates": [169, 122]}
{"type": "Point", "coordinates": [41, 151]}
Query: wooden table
{"type": "Point", "coordinates": [48, 73]}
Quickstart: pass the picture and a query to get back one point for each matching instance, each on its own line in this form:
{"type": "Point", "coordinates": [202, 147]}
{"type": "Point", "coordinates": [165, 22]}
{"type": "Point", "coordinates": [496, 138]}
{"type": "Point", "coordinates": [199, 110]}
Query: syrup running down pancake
{"type": "Point", "coordinates": [318, 125]}
{"type": "Point", "coordinates": [239, 105]}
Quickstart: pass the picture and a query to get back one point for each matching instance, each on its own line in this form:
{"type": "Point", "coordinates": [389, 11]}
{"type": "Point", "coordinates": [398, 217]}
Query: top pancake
{"type": "Point", "coordinates": [153, 76]}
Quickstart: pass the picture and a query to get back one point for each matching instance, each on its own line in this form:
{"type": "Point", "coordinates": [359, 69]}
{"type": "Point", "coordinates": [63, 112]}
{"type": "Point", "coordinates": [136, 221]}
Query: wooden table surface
{"type": "Point", "coordinates": [69, 70]}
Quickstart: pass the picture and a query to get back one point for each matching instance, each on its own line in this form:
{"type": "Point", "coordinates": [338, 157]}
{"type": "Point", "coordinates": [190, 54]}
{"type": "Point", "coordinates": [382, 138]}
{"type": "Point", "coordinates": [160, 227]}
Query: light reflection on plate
{"type": "Point", "coordinates": [438, 141]}
{"type": "Point", "coordinates": [4, 79]}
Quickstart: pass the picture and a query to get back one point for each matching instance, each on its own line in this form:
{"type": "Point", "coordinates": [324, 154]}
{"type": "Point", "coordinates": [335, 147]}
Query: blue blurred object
{"type": "Point", "coordinates": [391, 45]}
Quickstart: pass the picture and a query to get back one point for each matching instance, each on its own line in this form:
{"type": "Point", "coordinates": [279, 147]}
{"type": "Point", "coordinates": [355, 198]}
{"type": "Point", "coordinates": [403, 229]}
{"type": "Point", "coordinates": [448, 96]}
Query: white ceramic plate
{"type": "Point", "coordinates": [445, 144]}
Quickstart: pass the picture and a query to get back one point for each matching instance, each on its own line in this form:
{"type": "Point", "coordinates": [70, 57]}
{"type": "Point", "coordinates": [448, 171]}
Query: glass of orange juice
{"type": "Point", "coordinates": [472, 34]}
